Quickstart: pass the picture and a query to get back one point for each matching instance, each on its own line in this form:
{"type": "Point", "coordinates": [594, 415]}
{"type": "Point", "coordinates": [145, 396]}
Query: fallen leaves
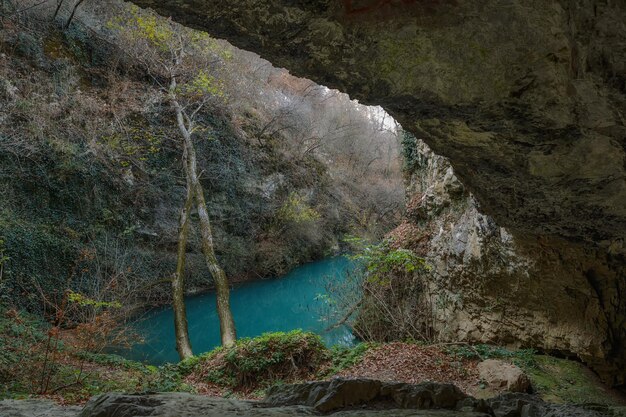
{"type": "Point", "coordinates": [411, 363]}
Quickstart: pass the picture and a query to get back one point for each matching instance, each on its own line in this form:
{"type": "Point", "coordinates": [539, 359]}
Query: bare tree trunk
{"type": "Point", "coordinates": [69, 19]}
{"type": "Point", "coordinates": [183, 345]}
{"type": "Point", "coordinates": [58, 8]}
{"type": "Point", "coordinates": [222, 288]}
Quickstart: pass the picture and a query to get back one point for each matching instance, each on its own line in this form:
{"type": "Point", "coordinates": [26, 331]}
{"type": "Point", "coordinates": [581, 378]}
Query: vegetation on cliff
{"type": "Point", "coordinates": [91, 186]}
{"type": "Point", "coordinates": [90, 173]}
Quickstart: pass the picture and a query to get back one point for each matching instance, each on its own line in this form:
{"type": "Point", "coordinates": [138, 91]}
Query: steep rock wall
{"type": "Point", "coordinates": [490, 286]}
{"type": "Point", "coordinates": [527, 100]}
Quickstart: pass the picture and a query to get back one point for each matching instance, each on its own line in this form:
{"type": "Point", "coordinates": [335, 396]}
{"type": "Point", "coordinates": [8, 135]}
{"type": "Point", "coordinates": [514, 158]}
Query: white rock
{"type": "Point", "coordinates": [499, 374]}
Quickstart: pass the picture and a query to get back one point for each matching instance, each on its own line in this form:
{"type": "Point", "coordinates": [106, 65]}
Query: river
{"type": "Point", "coordinates": [294, 301]}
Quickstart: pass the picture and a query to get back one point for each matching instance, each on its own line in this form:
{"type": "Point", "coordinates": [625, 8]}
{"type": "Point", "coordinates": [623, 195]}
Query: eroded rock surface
{"type": "Point", "coordinates": [341, 398]}
{"type": "Point", "coordinates": [328, 396]}
{"type": "Point", "coordinates": [35, 408]}
{"type": "Point", "coordinates": [490, 285]}
{"type": "Point", "coordinates": [527, 99]}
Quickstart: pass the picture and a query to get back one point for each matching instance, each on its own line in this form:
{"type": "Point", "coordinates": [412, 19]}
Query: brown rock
{"type": "Point", "coordinates": [500, 374]}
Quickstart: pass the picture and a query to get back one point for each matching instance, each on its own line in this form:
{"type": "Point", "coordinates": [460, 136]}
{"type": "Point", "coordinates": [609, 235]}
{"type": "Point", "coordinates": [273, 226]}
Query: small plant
{"type": "Point", "coordinates": [345, 357]}
{"type": "Point", "coordinates": [522, 357]}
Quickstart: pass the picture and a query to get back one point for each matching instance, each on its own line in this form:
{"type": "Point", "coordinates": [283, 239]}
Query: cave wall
{"type": "Point", "coordinates": [489, 286]}
{"type": "Point", "coordinates": [527, 100]}
{"type": "Point", "coordinates": [527, 97]}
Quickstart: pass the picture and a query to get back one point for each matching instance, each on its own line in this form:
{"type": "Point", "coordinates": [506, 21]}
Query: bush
{"type": "Point", "coordinates": [523, 357]}
{"type": "Point", "coordinates": [346, 357]}
{"type": "Point", "coordinates": [34, 361]}
{"type": "Point", "coordinates": [392, 282]}
{"type": "Point", "coordinates": [265, 360]}
{"type": "Point", "coordinates": [410, 153]}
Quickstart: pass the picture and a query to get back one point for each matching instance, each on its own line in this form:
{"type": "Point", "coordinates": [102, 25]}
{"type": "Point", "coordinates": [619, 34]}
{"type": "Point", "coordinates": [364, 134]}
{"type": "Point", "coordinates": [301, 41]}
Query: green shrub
{"type": "Point", "coordinates": [523, 357]}
{"type": "Point", "coordinates": [410, 154]}
{"type": "Point", "coordinates": [345, 357]}
{"type": "Point", "coordinates": [382, 261]}
{"type": "Point", "coordinates": [264, 360]}
{"type": "Point", "coordinates": [166, 378]}
{"type": "Point", "coordinates": [392, 280]}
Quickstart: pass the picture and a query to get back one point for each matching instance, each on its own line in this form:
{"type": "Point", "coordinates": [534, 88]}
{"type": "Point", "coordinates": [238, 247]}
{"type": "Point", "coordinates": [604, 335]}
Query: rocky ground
{"type": "Point", "coordinates": [340, 397]}
{"type": "Point", "coordinates": [410, 379]}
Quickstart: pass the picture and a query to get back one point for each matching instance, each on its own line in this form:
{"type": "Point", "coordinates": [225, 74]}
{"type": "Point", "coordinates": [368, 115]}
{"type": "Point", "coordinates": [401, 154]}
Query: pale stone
{"type": "Point", "coordinates": [503, 375]}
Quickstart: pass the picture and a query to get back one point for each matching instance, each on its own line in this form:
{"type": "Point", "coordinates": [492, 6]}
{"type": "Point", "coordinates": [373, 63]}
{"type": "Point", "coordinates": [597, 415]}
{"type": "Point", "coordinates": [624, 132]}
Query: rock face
{"type": "Point", "coordinates": [341, 398]}
{"type": "Point", "coordinates": [525, 405]}
{"type": "Point", "coordinates": [328, 396]}
{"type": "Point", "coordinates": [527, 100]}
{"type": "Point", "coordinates": [525, 97]}
{"type": "Point", "coordinates": [489, 285]}
{"type": "Point", "coordinates": [500, 374]}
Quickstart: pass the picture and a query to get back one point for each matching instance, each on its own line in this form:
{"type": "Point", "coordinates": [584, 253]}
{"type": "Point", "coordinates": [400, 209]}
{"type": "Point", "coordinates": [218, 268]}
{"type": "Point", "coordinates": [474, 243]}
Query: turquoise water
{"type": "Point", "coordinates": [295, 301]}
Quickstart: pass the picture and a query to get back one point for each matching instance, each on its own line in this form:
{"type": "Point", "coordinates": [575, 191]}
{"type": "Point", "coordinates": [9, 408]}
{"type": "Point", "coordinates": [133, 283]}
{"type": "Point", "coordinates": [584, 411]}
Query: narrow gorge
{"type": "Point", "coordinates": [526, 99]}
{"type": "Point", "coordinates": [407, 207]}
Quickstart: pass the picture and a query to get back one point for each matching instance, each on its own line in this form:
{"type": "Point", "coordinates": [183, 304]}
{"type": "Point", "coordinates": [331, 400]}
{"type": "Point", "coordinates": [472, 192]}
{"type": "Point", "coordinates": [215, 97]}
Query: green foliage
{"type": "Point", "coordinates": [111, 360]}
{"type": "Point", "coordinates": [24, 337]}
{"type": "Point", "coordinates": [264, 360]}
{"type": "Point", "coordinates": [140, 26]}
{"type": "Point", "coordinates": [523, 357]}
{"type": "Point", "coordinates": [202, 84]}
{"type": "Point", "coordinates": [18, 333]}
{"type": "Point", "coordinates": [392, 281]}
{"type": "Point", "coordinates": [159, 43]}
{"type": "Point", "coordinates": [296, 210]}
{"type": "Point", "coordinates": [84, 301]}
{"type": "Point", "coordinates": [410, 154]}
{"type": "Point", "coordinates": [140, 143]}
{"type": "Point", "coordinates": [381, 261]}
{"type": "Point", "coordinates": [36, 255]}
{"type": "Point", "coordinates": [166, 378]}
{"type": "Point", "coordinates": [561, 380]}
{"type": "Point", "coordinates": [3, 259]}
{"type": "Point", "coordinates": [29, 47]}
{"type": "Point", "coordinates": [345, 357]}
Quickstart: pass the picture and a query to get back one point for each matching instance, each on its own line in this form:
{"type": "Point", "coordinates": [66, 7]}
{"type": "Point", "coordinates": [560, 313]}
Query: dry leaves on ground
{"type": "Point", "coordinates": [404, 362]}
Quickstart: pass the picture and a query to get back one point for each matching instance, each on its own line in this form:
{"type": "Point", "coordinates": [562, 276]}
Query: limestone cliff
{"type": "Point", "coordinates": [526, 97]}
{"type": "Point", "coordinates": [527, 100]}
{"type": "Point", "coordinates": [490, 286]}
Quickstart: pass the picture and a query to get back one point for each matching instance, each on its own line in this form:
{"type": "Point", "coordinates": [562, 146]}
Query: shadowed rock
{"type": "Point", "coordinates": [337, 394]}
{"type": "Point", "coordinates": [527, 100]}
{"type": "Point", "coordinates": [340, 397]}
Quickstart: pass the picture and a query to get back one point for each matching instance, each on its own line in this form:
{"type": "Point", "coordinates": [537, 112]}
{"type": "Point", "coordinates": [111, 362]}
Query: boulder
{"type": "Point", "coordinates": [503, 375]}
{"type": "Point", "coordinates": [327, 396]}
{"type": "Point", "coordinates": [340, 397]}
